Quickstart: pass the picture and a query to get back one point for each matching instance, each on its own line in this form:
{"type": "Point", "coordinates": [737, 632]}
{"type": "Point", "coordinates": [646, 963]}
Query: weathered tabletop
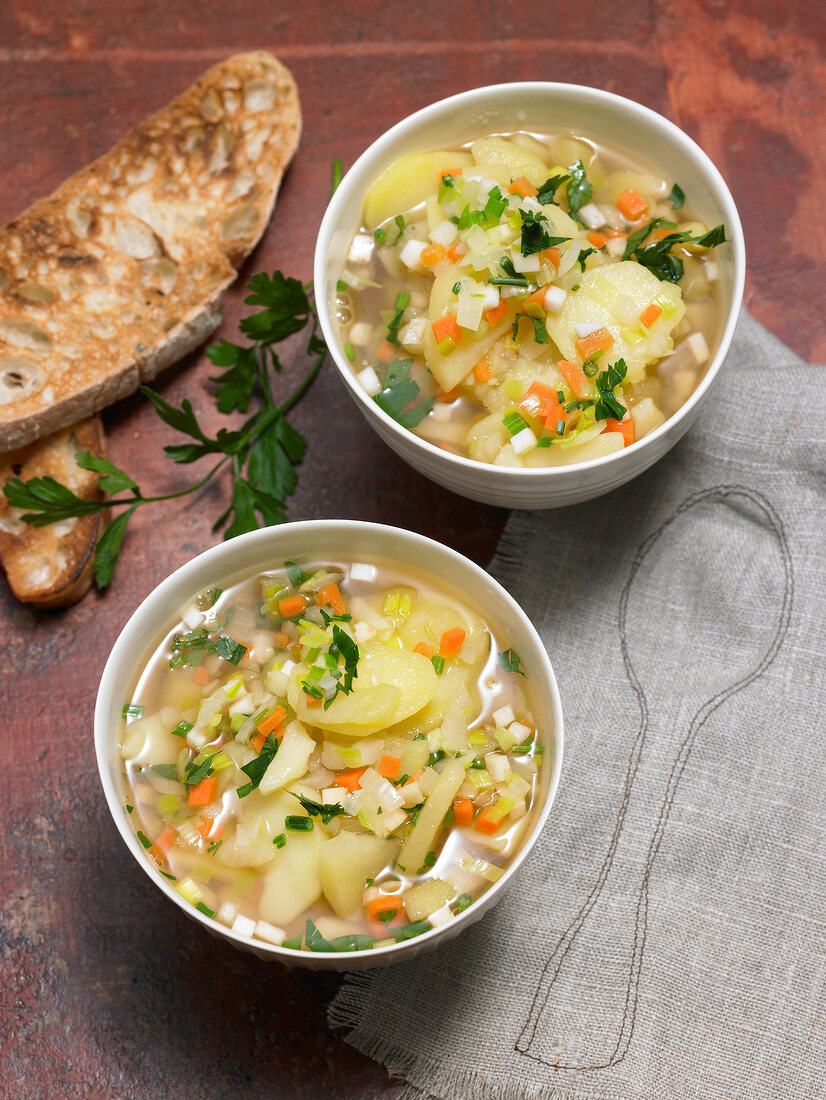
{"type": "Point", "coordinates": [105, 989]}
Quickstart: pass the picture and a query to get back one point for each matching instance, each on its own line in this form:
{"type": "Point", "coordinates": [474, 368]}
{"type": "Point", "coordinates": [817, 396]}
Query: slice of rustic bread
{"type": "Point", "coordinates": [52, 566]}
{"type": "Point", "coordinates": [121, 271]}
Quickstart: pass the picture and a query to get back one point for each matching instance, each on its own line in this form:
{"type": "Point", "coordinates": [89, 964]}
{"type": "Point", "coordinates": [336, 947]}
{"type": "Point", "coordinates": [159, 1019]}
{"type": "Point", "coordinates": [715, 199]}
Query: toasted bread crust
{"type": "Point", "coordinates": [52, 566]}
{"type": "Point", "coordinates": [121, 271]}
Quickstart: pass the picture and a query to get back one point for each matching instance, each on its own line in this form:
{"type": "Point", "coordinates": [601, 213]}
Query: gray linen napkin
{"type": "Point", "coordinates": [667, 936]}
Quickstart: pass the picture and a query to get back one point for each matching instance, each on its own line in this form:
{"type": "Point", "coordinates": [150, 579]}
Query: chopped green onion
{"type": "Point", "coordinates": [438, 663]}
{"type": "Point", "coordinates": [132, 710]}
{"type": "Point", "coordinates": [145, 841]}
{"type": "Point", "coordinates": [129, 808]}
{"type": "Point", "coordinates": [341, 286]}
{"type": "Point", "coordinates": [298, 824]}
{"type": "Point", "coordinates": [402, 300]}
{"type": "Point", "coordinates": [457, 286]}
{"type": "Point", "coordinates": [462, 902]}
{"type": "Point", "coordinates": [408, 931]}
{"type": "Point", "coordinates": [190, 891]}
{"type": "Point", "coordinates": [430, 859]}
{"type": "Point", "coordinates": [205, 909]}
{"type": "Point", "coordinates": [293, 944]}
{"type": "Point", "coordinates": [350, 352]}
{"type": "Point", "coordinates": [279, 841]}
{"type": "Point", "coordinates": [513, 422]}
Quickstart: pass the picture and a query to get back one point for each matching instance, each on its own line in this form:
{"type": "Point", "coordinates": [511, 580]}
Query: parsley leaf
{"type": "Point", "coordinates": [540, 333]}
{"type": "Point", "coordinates": [194, 773]}
{"type": "Point", "coordinates": [344, 646]}
{"type": "Point", "coordinates": [677, 197]}
{"type": "Point", "coordinates": [579, 187]}
{"type": "Point", "coordinates": [608, 407]}
{"type": "Point", "coordinates": [256, 768]}
{"type": "Point", "coordinates": [535, 235]}
{"type": "Point", "coordinates": [545, 194]}
{"type": "Point", "coordinates": [510, 661]}
{"type": "Point", "coordinates": [318, 809]}
{"type": "Point", "coordinates": [398, 396]}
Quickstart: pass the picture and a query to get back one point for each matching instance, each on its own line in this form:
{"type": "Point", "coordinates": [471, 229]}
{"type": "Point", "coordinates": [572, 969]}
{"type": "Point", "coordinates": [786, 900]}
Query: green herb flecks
{"type": "Point", "coordinates": [132, 710]}
{"type": "Point", "coordinates": [608, 407]}
{"type": "Point", "coordinates": [677, 197]}
{"type": "Point", "coordinates": [194, 773]}
{"type": "Point", "coordinates": [535, 235]}
{"type": "Point", "coordinates": [398, 396]}
{"type": "Point", "coordinates": [191, 648]}
{"type": "Point", "coordinates": [318, 809]}
{"type": "Point", "coordinates": [547, 191]}
{"type": "Point", "coordinates": [256, 768]}
{"type": "Point", "coordinates": [579, 187]}
{"type": "Point", "coordinates": [298, 824]}
{"type": "Point", "coordinates": [510, 661]}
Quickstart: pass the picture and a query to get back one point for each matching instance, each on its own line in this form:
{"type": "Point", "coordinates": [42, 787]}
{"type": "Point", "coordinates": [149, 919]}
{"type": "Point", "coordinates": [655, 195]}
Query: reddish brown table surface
{"type": "Point", "coordinates": [106, 990]}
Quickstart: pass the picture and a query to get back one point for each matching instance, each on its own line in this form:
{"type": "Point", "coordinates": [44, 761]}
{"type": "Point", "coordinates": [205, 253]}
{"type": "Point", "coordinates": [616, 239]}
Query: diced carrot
{"type": "Point", "coordinates": [425, 649]}
{"type": "Point", "coordinates": [312, 701]}
{"type": "Point", "coordinates": [291, 606]}
{"type": "Point", "coordinates": [451, 641]}
{"type": "Point", "coordinates": [632, 205]}
{"type": "Point", "coordinates": [204, 827]}
{"type": "Point", "coordinates": [246, 655]}
{"type": "Point", "coordinates": [257, 741]}
{"type": "Point", "coordinates": [523, 187]}
{"type": "Point", "coordinates": [448, 395]}
{"type": "Point", "coordinates": [280, 640]}
{"type": "Point", "coordinates": [414, 778]}
{"type": "Point", "coordinates": [597, 239]}
{"type": "Point", "coordinates": [650, 314]}
{"type": "Point", "coordinates": [610, 233]}
{"type": "Point", "coordinates": [384, 903]}
{"type": "Point", "coordinates": [538, 295]}
{"type": "Point", "coordinates": [597, 341]}
{"type": "Point", "coordinates": [483, 371]}
{"type": "Point", "coordinates": [456, 250]}
{"type": "Point", "coordinates": [330, 594]}
{"type": "Point", "coordinates": [431, 254]}
{"type": "Point", "coordinates": [574, 375]}
{"type": "Point", "coordinates": [497, 314]}
{"type": "Point", "coordinates": [447, 328]}
{"type": "Point", "coordinates": [350, 779]}
{"type": "Point", "coordinates": [385, 352]}
{"type": "Point", "coordinates": [204, 792]}
{"type": "Point", "coordinates": [555, 415]}
{"type": "Point", "coordinates": [200, 674]}
{"type": "Point", "coordinates": [537, 400]}
{"type": "Point", "coordinates": [389, 767]}
{"type": "Point", "coordinates": [489, 819]}
{"type": "Point", "coordinates": [625, 427]}
{"type": "Point", "coordinates": [271, 721]}
{"type": "Point", "coordinates": [450, 172]}
{"type": "Point", "coordinates": [552, 255]}
{"type": "Point", "coordinates": [463, 812]}
{"type": "Point", "coordinates": [658, 233]}
{"type": "Point", "coordinates": [165, 841]}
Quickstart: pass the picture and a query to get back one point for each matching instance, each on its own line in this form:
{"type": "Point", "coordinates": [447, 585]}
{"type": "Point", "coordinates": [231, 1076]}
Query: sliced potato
{"type": "Point", "coordinates": [294, 883]}
{"type": "Point", "coordinates": [423, 837]}
{"type": "Point", "coordinates": [425, 898]}
{"type": "Point", "coordinates": [497, 152]}
{"type": "Point", "coordinates": [598, 447]}
{"type": "Point", "coordinates": [600, 290]}
{"type": "Point", "coordinates": [251, 845]}
{"type": "Point", "coordinates": [290, 761]}
{"type": "Point", "coordinates": [407, 182]}
{"type": "Point", "coordinates": [451, 369]}
{"type": "Point", "coordinates": [346, 861]}
{"type": "Point", "coordinates": [366, 709]}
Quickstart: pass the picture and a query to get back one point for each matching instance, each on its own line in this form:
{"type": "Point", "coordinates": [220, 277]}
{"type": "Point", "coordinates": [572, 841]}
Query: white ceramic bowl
{"type": "Point", "coordinates": [335, 539]}
{"type": "Point", "coordinates": [534, 106]}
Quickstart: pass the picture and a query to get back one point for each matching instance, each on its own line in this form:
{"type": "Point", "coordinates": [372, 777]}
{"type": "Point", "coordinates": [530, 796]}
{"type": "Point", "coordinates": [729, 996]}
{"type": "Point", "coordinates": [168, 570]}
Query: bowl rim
{"type": "Point", "coordinates": [161, 595]}
{"type": "Point", "coordinates": [513, 89]}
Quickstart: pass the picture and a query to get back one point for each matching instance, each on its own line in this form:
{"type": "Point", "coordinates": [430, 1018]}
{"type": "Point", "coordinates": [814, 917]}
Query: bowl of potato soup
{"type": "Point", "coordinates": [528, 289]}
{"type": "Point", "coordinates": [331, 743]}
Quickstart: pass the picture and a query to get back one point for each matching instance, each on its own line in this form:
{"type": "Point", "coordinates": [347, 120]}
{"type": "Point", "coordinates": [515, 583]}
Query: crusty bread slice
{"type": "Point", "coordinates": [121, 271]}
{"type": "Point", "coordinates": [52, 566]}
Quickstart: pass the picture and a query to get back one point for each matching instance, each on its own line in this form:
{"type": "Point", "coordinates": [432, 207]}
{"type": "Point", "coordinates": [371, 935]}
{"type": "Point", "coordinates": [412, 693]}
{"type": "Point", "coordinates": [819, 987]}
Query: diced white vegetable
{"type": "Point", "coordinates": [523, 441]}
{"type": "Point", "coordinates": [711, 270]}
{"type": "Point", "coordinates": [504, 716]}
{"type": "Point", "coordinates": [361, 572]}
{"type": "Point", "coordinates": [554, 298]}
{"type": "Point", "coordinates": [491, 299]}
{"type": "Point", "coordinates": [525, 263]}
{"type": "Point", "coordinates": [530, 203]}
{"type": "Point", "coordinates": [427, 781]}
{"type": "Point", "coordinates": [442, 411]}
{"type": "Point", "coordinates": [569, 257]}
{"type": "Point", "coordinates": [266, 931]}
{"type": "Point", "coordinates": [411, 254]}
{"type": "Point", "coordinates": [487, 184]}
{"type": "Point", "coordinates": [440, 917]}
{"type": "Point", "coordinates": [193, 618]}
{"type": "Point", "coordinates": [696, 344]}
{"type": "Point", "coordinates": [363, 632]}
{"type": "Point", "coordinates": [412, 334]}
{"type": "Point", "coordinates": [369, 381]}
{"type": "Point", "coordinates": [646, 416]}
{"type": "Point", "coordinates": [360, 334]}
{"type": "Point", "coordinates": [227, 913]}
{"type": "Point", "coordinates": [518, 788]}
{"type": "Point", "coordinates": [411, 794]}
{"type": "Point", "coordinates": [287, 667]}
{"type": "Point", "coordinates": [361, 249]}
{"type": "Point", "coordinates": [583, 330]}
{"type": "Point", "coordinates": [384, 792]}
{"type": "Point", "coordinates": [615, 246]}
{"type": "Point", "coordinates": [196, 739]}
{"type": "Point", "coordinates": [592, 215]}
{"type": "Point", "coordinates": [520, 731]}
{"type": "Point", "coordinates": [333, 796]}
{"type": "Point", "coordinates": [243, 925]}
{"type": "Point", "coordinates": [471, 304]}
{"type": "Point", "coordinates": [445, 233]}
{"type": "Point", "coordinates": [498, 765]}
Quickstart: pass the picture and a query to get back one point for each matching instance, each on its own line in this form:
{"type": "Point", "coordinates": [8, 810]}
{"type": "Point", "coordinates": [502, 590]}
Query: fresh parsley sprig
{"type": "Point", "coordinates": [262, 452]}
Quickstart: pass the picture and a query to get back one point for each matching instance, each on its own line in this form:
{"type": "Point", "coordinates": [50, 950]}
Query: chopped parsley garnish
{"type": "Point", "coordinates": [408, 931]}
{"type": "Point", "coordinates": [191, 648]}
{"type": "Point", "coordinates": [457, 286]}
{"type": "Point", "coordinates": [296, 574]}
{"type": "Point", "coordinates": [510, 661]}
{"type": "Point", "coordinates": [380, 235]}
{"type": "Point", "coordinates": [194, 773]}
{"type": "Point", "coordinates": [398, 396]}
{"type": "Point", "coordinates": [677, 197]}
{"type": "Point", "coordinates": [579, 187]}
{"type": "Point", "coordinates": [535, 235]}
{"type": "Point", "coordinates": [608, 407]}
{"type": "Point", "coordinates": [462, 902]}
{"type": "Point", "coordinates": [430, 859]}
{"type": "Point", "coordinates": [540, 333]}
{"type": "Point", "coordinates": [214, 846]}
{"type": "Point", "coordinates": [298, 823]}
{"type": "Point", "coordinates": [545, 194]}
{"type": "Point", "coordinates": [229, 649]}
{"type": "Point", "coordinates": [319, 809]}
{"type": "Point", "coordinates": [128, 808]}
{"type": "Point", "coordinates": [525, 747]}
{"type": "Point", "coordinates": [657, 256]}
{"type": "Point", "coordinates": [388, 914]}
{"type": "Point", "coordinates": [145, 841]}
{"type": "Point", "coordinates": [166, 771]}
{"type": "Point", "coordinates": [292, 944]}
{"type": "Point", "coordinates": [256, 768]}
{"type": "Point", "coordinates": [132, 710]}
{"type": "Point", "coordinates": [343, 645]}
{"type": "Point", "coordinates": [582, 257]}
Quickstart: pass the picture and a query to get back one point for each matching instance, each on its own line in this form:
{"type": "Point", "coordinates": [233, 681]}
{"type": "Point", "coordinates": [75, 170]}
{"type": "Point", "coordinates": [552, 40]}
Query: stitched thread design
{"type": "Point", "coordinates": [552, 968]}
